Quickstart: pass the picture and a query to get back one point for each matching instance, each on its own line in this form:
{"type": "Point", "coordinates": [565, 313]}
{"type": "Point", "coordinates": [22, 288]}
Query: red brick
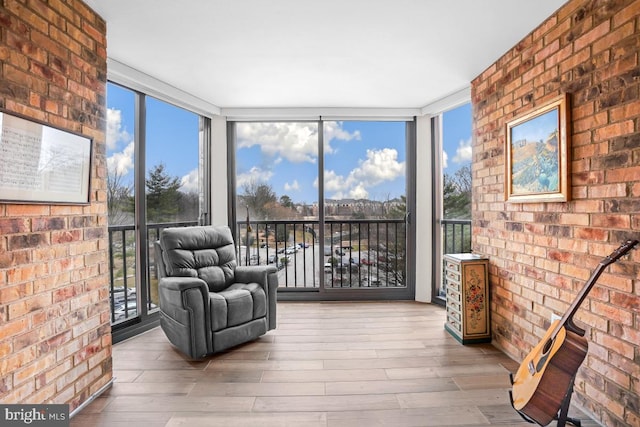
{"type": "Point", "coordinates": [629, 174]}
{"type": "Point", "coordinates": [625, 112]}
{"type": "Point", "coordinates": [593, 35]}
{"type": "Point", "coordinates": [611, 221]}
{"type": "Point", "coordinates": [629, 13]}
{"type": "Point", "coordinates": [36, 51]}
{"type": "Point", "coordinates": [614, 130]}
{"type": "Point", "coordinates": [550, 49]}
{"type": "Point", "coordinates": [608, 190]}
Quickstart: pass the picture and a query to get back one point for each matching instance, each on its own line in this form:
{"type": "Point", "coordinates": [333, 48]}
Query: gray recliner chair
{"type": "Point", "coordinates": [208, 303]}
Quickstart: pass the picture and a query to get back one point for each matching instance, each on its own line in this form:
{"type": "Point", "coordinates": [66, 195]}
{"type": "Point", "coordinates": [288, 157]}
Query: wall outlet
{"type": "Point", "coordinates": [555, 317]}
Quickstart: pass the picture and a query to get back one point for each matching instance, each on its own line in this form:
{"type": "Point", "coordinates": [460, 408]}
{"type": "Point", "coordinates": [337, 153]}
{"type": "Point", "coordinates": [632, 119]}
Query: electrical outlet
{"type": "Point", "coordinates": [555, 317]}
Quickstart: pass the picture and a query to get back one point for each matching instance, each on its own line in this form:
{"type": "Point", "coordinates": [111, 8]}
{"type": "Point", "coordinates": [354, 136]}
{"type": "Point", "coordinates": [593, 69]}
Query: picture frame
{"type": "Point", "coordinates": [43, 164]}
{"type": "Point", "coordinates": [537, 154]}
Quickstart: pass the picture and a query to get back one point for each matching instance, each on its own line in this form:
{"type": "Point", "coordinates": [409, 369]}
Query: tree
{"type": "Point", "coordinates": [456, 194]}
{"type": "Point", "coordinates": [119, 199]}
{"type": "Point", "coordinates": [286, 202]}
{"type": "Point", "coordinates": [257, 197]}
{"type": "Point", "coordinates": [189, 206]}
{"type": "Point", "coordinates": [163, 197]}
{"type": "Point", "coordinates": [398, 210]}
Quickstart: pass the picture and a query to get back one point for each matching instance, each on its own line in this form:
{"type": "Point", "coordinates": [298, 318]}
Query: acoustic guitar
{"type": "Point", "coordinates": [546, 375]}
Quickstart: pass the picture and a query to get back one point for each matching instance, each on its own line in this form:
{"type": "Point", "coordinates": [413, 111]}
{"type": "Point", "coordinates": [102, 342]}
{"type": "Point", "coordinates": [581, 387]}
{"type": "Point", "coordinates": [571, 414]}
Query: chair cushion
{"type": "Point", "coordinates": [206, 252]}
{"type": "Point", "coordinates": [239, 303]}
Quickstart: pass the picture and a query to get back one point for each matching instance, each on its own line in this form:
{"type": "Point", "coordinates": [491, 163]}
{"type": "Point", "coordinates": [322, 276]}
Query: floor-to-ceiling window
{"type": "Point", "coordinates": [327, 203]}
{"type": "Point", "coordinates": [452, 148]}
{"type": "Point", "coordinates": [155, 167]}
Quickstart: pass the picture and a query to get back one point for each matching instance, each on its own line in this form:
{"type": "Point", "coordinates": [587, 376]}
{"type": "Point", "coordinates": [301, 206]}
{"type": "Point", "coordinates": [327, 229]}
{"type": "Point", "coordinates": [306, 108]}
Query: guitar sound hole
{"type": "Point", "coordinates": [547, 346]}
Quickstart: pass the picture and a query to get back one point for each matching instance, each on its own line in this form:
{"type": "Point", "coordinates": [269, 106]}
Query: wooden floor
{"type": "Point", "coordinates": [327, 364]}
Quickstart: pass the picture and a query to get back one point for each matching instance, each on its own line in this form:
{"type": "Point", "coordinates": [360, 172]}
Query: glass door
{"type": "Point", "coordinates": [326, 203]}
{"type": "Point", "coordinates": [156, 161]}
{"type": "Point", "coordinates": [365, 206]}
{"type": "Point", "coordinates": [276, 187]}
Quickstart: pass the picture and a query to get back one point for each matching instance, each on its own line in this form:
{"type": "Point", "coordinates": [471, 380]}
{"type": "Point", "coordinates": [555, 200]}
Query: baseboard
{"type": "Point", "coordinates": [91, 398]}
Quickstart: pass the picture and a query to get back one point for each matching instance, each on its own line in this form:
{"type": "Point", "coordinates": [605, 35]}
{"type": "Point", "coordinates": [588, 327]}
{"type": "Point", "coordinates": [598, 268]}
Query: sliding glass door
{"type": "Point", "coordinates": [327, 203]}
{"type": "Point", "coordinates": [156, 163]}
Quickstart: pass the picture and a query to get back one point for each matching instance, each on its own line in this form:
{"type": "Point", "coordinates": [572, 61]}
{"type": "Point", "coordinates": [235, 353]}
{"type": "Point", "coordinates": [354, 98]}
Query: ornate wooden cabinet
{"type": "Point", "coordinates": [466, 279]}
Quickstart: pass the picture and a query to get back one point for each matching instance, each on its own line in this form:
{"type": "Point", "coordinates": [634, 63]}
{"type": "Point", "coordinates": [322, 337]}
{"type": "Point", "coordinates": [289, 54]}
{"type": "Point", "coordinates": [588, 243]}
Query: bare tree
{"type": "Point", "coordinates": [119, 199]}
{"type": "Point", "coordinates": [258, 197]}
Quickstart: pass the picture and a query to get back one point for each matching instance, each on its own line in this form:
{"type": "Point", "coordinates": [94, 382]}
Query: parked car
{"type": "Point", "coordinates": [131, 310]}
{"type": "Point", "coordinates": [119, 294]}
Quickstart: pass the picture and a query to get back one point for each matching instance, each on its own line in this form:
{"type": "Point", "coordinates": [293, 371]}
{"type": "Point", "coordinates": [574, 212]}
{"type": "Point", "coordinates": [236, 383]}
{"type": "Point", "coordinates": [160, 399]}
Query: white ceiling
{"type": "Point", "coordinates": [316, 54]}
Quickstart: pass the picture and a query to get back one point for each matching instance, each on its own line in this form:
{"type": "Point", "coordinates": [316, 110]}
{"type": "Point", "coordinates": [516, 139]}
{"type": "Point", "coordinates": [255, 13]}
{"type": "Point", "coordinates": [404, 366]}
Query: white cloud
{"type": "Point", "coordinates": [255, 174]}
{"type": "Point", "coordinates": [379, 166]}
{"type": "Point", "coordinates": [295, 142]}
{"type": "Point", "coordinates": [334, 130]}
{"type": "Point", "coordinates": [463, 152]}
{"type": "Point", "coordinates": [189, 182]}
{"type": "Point", "coordinates": [359, 192]}
{"type": "Point", "coordinates": [115, 132]}
{"type": "Point", "coordinates": [294, 186]}
{"type": "Point", "coordinates": [121, 163]}
{"type": "Point", "coordinates": [445, 159]}
{"type": "Point", "coordinates": [332, 181]}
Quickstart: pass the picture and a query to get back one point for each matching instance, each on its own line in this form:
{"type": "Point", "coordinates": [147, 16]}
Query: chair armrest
{"type": "Point", "coordinates": [254, 273]}
{"type": "Point", "coordinates": [267, 277]}
{"type": "Point", "coordinates": [185, 318]}
{"type": "Point", "coordinates": [183, 283]}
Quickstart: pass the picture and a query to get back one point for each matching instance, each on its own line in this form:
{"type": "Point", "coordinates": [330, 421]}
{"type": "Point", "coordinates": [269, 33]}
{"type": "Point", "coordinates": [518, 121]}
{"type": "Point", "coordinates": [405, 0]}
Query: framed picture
{"type": "Point", "coordinates": [537, 155]}
{"type": "Point", "coordinates": [42, 164]}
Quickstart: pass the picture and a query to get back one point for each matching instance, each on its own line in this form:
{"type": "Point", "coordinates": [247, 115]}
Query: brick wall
{"type": "Point", "coordinates": [542, 253]}
{"type": "Point", "coordinates": [55, 342]}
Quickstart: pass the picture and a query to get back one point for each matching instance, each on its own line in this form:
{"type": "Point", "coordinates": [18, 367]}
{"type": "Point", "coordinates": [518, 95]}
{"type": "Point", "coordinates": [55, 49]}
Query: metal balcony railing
{"type": "Point", "coordinates": [456, 236]}
{"type": "Point", "coordinates": [354, 254]}
{"type": "Point", "coordinates": [123, 290]}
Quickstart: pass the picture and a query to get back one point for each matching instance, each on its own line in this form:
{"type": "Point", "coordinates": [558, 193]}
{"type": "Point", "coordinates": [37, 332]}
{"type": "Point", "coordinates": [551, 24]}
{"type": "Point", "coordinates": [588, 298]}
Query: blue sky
{"type": "Point", "coordinates": [362, 159]}
{"type": "Point", "coordinates": [537, 128]}
{"type": "Point", "coordinates": [456, 132]}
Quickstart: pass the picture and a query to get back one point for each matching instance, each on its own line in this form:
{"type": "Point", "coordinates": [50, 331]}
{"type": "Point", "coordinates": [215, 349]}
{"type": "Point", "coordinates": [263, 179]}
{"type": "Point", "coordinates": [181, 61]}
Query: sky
{"type": "Point", "coordinates": [363, 160]}
{"type": "Point", "coordinates": [536, 129]}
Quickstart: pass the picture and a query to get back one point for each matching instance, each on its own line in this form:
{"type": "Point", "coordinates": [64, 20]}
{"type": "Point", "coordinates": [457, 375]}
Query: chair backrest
{"type": "Point", "coordinates": [206, 252]}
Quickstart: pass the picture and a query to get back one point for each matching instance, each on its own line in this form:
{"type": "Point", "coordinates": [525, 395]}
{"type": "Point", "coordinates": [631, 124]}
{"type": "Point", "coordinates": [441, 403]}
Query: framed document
{"type": "Point", "coordinates": [42, 164]}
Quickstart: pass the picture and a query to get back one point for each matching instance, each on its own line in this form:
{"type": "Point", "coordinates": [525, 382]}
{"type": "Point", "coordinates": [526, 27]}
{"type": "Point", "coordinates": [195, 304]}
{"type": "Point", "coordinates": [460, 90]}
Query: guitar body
{"type": "Point", "coordinates": [544, 380]}
{"type": "Point", "coordinates": [545, 375]}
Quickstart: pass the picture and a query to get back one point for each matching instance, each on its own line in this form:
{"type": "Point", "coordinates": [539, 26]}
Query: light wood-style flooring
{"type": "Point", "coordinates": [327, 364]}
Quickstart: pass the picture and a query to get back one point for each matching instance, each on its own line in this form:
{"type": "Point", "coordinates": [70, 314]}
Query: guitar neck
{"type": "Point", "coordinates": [610, 259]}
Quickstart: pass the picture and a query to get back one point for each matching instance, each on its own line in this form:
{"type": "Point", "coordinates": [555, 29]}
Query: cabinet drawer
{"type": "Point", "coordinates": [452, 285]}
{"type": "Point", "coordinates": [454, 315]}
{"type": "Point", "coordinates": [453, 295]}
{"type": "Point", "coordinates": [454, 304]}
{"type": "Point", "coordinates": [455, 324]}
{"type": "Point", "coordinates": [450, 265]}
{"type": "Point", "coordinates": [453, 276]}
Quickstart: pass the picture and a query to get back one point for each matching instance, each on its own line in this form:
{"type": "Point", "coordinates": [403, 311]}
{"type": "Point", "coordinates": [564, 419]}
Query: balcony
{"type": "Point", "coordinates": [358, 254]}
{"type": "Point", "coordinates": [354, 253]}
{"type": "Point", "coordinates": [123, 295]}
